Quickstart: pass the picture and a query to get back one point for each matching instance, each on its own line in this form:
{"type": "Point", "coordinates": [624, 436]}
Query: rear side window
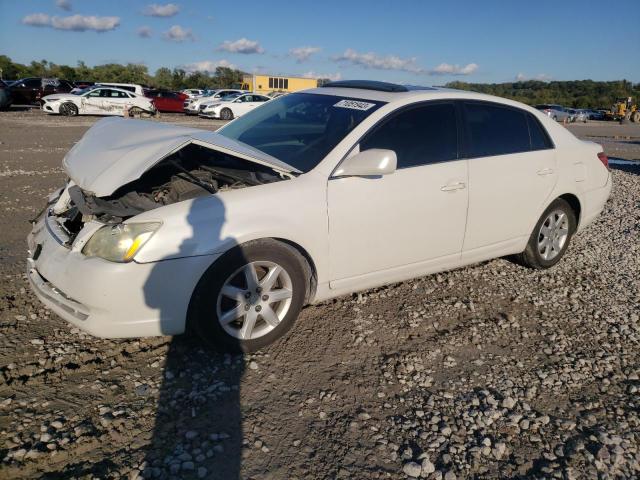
{"type": "Point", "coordinates": [419, 136]}
{"type": "Point", "coordinates": [539, 138]}
{"type": "Point", "coordinates": [495, 130]}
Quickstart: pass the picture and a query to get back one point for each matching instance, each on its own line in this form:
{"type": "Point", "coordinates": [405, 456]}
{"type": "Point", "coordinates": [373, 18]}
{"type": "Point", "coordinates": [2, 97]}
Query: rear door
{"type": "Point", "coordinates": [512, 172]}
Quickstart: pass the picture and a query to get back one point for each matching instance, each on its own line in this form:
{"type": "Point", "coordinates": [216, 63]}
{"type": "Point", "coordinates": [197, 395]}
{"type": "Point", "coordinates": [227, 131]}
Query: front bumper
{"type": "Point", "coordinates": [209, 114]}
{"type": "Point", "coordinates": [107, 299]}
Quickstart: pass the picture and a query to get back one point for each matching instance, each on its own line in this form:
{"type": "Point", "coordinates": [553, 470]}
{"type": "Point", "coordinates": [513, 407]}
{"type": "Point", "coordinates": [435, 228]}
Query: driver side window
{"type": "Point", "coordinates": [419, 135]}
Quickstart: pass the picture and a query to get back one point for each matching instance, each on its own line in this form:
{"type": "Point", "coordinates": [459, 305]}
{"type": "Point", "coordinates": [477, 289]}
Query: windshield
{"type": "Point", "coordinates": [84, 90]}
{"type": "Point", "coordinates": [300, 129]}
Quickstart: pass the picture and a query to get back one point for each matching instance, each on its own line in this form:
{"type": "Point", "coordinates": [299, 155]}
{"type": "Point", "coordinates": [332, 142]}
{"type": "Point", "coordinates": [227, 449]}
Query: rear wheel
{"type": "Point", "coordinates": [551, 236]}
{"type": "Point", "coordinates": [68, 109]}
{"type": "Point", "coordinates": [635, 117]}
{"type": "Point", "coordinates": [250, 297]}
{"type": "Point", "coordinates": [226, 114]}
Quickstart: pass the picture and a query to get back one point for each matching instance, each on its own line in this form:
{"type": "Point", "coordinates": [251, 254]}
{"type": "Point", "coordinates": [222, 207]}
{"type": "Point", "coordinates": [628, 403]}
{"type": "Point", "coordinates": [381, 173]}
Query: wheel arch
{"type": "Point", "coordinates": [575, 205]}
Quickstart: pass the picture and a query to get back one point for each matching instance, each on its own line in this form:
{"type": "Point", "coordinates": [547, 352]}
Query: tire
{"type": "Point", "coordinates": [68, 109]}
{"type": "Point", "coordinates": [555, 118]}
{"type": "Point", "coordinates": [635, 117]}
{"type": "Point", "coordinates": [242, 304]}
{"type": "Point", "coordinates": [534, 254]}
{"type": "Point", "coordinates": [226, 114]}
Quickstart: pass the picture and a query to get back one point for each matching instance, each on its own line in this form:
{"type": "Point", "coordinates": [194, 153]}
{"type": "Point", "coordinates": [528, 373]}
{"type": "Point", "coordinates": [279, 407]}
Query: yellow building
{"type": "Point", "coordinates": [266, 83]}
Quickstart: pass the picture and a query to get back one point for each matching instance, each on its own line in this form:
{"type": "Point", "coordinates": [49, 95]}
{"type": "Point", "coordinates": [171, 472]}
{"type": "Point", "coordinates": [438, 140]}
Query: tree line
{"type": "Point", "coordinates": [574, 93]}
{"type": "Point", "coordinates": [165, 78]}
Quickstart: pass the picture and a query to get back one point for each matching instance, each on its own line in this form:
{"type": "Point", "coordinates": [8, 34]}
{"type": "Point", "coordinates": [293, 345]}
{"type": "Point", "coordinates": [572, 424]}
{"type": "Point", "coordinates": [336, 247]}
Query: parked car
{"type": "Point", "coordinates": [193, 106]}
{"type": "Point", "coordinates": [232, 106]}
{"type": "Point", "coordinates": [29, 91]}
{"type": "Point", "coordinates": [98, 101]}
{"type": "Point", "coordinates": [5, 96]}
{"type": "Point", "coordinates": [193, 92]}
{"type": "Point", "coordinates": [232, 232]}
{"type": "Point", "coordinates": [129, 87]}
{"type": "Point", "coordinates": [81, 85]}
{"type": "Point", "coordinates": [596, 114]}
{"type": "Point", "coordinates": [577, 115]}
{"type": "Point", "coordinates": [556, 112]}
{"type": "Point", "coordinates": [167, 101]}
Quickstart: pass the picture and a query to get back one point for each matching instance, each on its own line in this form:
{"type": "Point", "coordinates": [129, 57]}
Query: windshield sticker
{"type": "Point", "coordinates": [354, 105]}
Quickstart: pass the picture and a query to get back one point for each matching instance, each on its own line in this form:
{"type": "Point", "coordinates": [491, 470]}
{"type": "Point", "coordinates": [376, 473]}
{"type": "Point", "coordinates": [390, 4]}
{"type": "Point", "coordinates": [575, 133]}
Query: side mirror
{"type": "Point", "coordinates": [370, 163]}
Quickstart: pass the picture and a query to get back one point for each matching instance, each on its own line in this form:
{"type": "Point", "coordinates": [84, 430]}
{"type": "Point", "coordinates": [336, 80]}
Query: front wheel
{"type": "Point", "coordinates": [226, 114]}
{"type": "Point", "coordinates": [68, 109]}
{"type": "Point", "coordinates": [550, 237]}
{"type": "Point", "coordinates": [250, 297]}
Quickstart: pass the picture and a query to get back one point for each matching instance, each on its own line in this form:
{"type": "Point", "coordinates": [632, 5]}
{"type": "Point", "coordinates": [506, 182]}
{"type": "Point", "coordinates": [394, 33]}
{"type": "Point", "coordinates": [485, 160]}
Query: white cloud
{"type": "Point", "coordinates": [331, 76]}
{"type": "Point", "coordinates": [75, 23]}
{"type": "Point", "coordinates": [302, 54]}
{"type": "Point", "coordinates": [157, 10]}
{"type": "Point", "coordinates": [37, 20]}
{"type": "Point", "coordinates": [144, 32]}
{"type": "Point", "coordinates": [64, 5]}
{"type": "Point", "coordinates": [208, 66]}
{"type": "Point", "coordinates": [242, 45]}
{"type": "Point", "coordinates": [178, 34]}
{"type": "Point", "coordinates": [448, 69]}
{"type": "Point", "coordinates": [378, 62]}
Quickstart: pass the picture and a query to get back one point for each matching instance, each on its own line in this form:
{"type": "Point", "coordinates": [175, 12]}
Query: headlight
{"type": "Point", "coordinates": [119, 243]}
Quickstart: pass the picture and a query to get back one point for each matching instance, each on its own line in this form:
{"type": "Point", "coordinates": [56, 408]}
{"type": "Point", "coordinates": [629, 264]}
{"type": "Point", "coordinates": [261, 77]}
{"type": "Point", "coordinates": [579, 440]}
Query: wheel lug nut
{"type": "Point", "coordinates": [247, 295]}
{"type": "Point", "coordinates": [247, 306]}
{"type": "Point", "coordinates": [258, 308]}
{"type": "Point", "coordinates": [265, 297]}
{"type": "Point", "coordinates": [258, 290]}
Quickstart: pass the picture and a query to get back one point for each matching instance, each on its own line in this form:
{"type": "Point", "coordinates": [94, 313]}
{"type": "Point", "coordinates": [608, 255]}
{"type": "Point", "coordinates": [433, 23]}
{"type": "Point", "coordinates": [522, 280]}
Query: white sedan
{"type": "Point", "coordinates": [232, 106]}
{"type": "Point", "coordinates": [97, 101]}
{"type": "Point", "coordinates": [315, 195]}
{"type": "Point", "coordinates": [193, 106]}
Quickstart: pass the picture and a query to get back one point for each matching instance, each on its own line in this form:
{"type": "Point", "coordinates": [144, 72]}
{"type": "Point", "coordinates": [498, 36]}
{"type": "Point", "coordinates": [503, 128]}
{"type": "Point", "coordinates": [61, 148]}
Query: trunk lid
{"type": "Point", "coordinates": [117, 151]}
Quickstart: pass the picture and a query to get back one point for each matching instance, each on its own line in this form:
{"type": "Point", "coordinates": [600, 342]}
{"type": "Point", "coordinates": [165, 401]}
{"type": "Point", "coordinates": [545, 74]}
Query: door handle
{"type": "Point", "coordinates": [545, 171]}
{"type": "Point", "coordinates": [453, 186]}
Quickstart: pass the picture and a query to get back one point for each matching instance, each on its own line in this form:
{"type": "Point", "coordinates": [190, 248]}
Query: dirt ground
{"type": "Point", "coordinates": [487, 371]}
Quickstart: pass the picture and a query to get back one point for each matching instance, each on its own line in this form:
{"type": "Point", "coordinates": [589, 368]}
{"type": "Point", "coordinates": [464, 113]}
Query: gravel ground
{"type": "Point", "coordinates": [491, 371]}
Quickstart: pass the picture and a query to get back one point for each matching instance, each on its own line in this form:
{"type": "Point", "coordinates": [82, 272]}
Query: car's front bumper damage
{"type": "Point", "coordinates": [108, 299]}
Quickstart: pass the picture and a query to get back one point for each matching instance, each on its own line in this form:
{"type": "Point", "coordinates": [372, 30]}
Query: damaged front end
{"type": "Point", "coordinates": [122, 168]}
{"type": "Point", "coordinates": [191, 172]}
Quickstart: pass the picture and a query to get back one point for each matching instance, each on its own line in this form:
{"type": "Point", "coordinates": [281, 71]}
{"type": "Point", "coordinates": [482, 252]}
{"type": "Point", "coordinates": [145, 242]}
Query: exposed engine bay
{"type": "Point", "coordinates": [191, 172]}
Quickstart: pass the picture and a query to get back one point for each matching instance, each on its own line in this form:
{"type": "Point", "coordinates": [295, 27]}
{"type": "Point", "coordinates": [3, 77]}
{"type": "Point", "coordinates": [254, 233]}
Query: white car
{"type": "Point", "coordinates": [192, 92]}
{"type": "Point", "coordinates": [314, 195]}
{"type": "Point", "coordinates": [129, 87]}
{"type": "Point", "coordinates": [230, 107]}
{"type": "Point", "coordinates": [97, 101]}
{"type": "Point", "coordinates": [195, 105]}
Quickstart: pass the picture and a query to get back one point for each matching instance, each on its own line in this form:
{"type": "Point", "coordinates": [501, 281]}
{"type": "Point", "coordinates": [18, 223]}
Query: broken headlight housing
{"type": "Point", "coordinates": [119, 243]}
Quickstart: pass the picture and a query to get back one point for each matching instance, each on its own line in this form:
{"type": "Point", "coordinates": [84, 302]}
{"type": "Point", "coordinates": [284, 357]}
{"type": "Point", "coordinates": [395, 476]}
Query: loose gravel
{"type": "Point", "coordinates": [491, 371]}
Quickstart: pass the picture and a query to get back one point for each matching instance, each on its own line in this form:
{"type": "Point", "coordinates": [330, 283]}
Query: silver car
{"type": "Point", "coordinates": [557, 112]}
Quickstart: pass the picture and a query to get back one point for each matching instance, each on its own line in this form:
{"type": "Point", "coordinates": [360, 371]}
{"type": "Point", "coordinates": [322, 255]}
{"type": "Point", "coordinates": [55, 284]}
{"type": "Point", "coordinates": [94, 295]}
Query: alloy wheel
{"type": "Point", "coordinates": [254, 300]}
{"type": "Point", "coordinates": [553, 234]}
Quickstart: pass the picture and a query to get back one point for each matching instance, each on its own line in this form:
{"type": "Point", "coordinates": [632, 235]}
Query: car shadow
{"type": "Point", "coordinates": [197, 429]}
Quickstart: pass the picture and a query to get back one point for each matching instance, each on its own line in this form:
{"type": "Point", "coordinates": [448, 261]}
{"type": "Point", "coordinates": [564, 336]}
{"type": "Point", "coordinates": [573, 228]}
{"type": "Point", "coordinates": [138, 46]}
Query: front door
{"type": "Point", "coordinates": [410, 218]}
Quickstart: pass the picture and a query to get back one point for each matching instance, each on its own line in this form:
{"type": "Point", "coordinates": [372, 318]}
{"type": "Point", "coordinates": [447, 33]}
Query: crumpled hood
{"type": "Point", "coordinates": [116, 151]}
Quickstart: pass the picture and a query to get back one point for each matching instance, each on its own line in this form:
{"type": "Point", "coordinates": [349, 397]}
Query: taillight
{"type": "Point", "coordinates": [604, 159]}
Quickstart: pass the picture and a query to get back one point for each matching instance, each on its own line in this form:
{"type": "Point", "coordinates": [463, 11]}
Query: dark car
{"type": "Point", "coordinates": [5, 96]}
{"type": "Point", "coordinates": [29, 91]}
{"type": "Point", "coordinates": [166, 101]}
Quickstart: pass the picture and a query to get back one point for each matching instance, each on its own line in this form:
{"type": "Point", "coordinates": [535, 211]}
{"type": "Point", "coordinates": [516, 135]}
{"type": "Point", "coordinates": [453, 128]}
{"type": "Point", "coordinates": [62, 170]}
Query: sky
{"type": "Point", "coordinates": [411, 42]}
